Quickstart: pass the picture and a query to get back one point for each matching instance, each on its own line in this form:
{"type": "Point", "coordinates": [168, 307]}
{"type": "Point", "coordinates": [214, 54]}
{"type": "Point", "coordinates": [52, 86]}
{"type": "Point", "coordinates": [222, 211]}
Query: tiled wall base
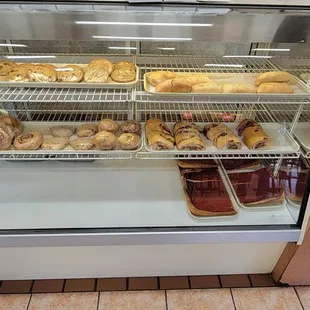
{"type": "Point", "coordinates": [134, 284]}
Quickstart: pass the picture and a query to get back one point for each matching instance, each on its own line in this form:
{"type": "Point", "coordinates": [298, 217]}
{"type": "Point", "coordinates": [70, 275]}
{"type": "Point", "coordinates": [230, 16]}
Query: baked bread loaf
{"type": "Point", "coordinates": [108, 125]}
{"type": "Point", "coordinates": [82, 144]}
{"type": "Point", "coordinates": [87, 130]}
{"type": "Point", "coordinates": [62, 131]}
{"type": "Point", "coordinates": [131, 127]}
{"type": "Point", "coordinates": [208, 88]}
{"type": "Point", "coordinates": [105, 140]}
{"type": "Point", "coordinates": [5, 138]}
{"type": "Point", "coordinates": [231, 88]}
{"type": "Point", "coordinates": [129, 141]}
{"type": "Point", "coordinates": [275, 88]}
{"type": "Point", "coordinates": [55, 144]}
{"type": "Point", "coordinates": [222, 137]}
{"type": "Point", "coordinates": [253, 134]}
{"type": "Point", "coordinates": [157, 77]}
{"type": "Point", "coordinates": [70, 74]}
{"type": "Point", "coordinates": [160, 140]}
{"type": "Point", "coordinates": [96, 75]}
{"type": "Point", "coordinates": [100, 63]}
{"type": "Point", "coordinates": [6, 67]}
{"type": "Point", "coordinates": [42, 73]}
{"type": "Point", "coordinates": [178, 85]}
{"type": "Point", "coordinates": [28, 141]}
{"type": "Point", "coordinates": [194, 79]}
{"type": "Point", "coordinates": [273, 76]}
{"type": "Point", "coordinates": [18, 74]}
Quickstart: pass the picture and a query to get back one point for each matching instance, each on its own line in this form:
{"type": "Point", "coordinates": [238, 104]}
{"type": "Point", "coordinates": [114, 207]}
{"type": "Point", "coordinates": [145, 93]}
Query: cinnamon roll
{"type": "Point", "coordinates": [28, 141]}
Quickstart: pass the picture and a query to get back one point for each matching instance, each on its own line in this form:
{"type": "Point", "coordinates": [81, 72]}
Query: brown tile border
{"type": "Point", "coordinates": [262, 280]}
{"type": "Point", "coordinates": [173, 283]}
{"type": "Point", "coordinates": [79, 285]}
{"type": "Point", "coordinates": [200, 282]}
{"type": "Point", "coordinates": [48, 286]}
{"type": "Point", "coordinates": [112, 284]}
{"type": "Point", "coordinates": [16, 287]}
{"type": "Point", "coordinates": [147, 283]}
{"type": "Point", "coordinates": [236, 280]}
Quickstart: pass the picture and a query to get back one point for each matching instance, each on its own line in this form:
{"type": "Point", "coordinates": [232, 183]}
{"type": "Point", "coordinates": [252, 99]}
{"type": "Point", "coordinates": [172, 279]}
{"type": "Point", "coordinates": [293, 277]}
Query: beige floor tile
{"type": "Point", "coordinates": [219, 299]}
{"type": "Point", "coordinates": [142, 300]}
{"type": "Point", "coordinates": [65, 301]}
{"type": "Point", "coordinates": [14, 301]}
{"type": "Point", "coordinates": [304, 296]}
{"type": "Point", "coordinates": [270, 298]}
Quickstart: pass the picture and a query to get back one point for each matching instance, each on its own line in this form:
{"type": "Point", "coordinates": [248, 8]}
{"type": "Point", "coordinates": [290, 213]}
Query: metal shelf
{"type": "Point", "coordinates": [295, 66]}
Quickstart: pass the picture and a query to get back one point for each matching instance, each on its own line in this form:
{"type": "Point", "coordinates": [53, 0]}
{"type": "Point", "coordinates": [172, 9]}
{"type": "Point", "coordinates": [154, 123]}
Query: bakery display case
{"type": "Point", "coordinates": [125, 124]}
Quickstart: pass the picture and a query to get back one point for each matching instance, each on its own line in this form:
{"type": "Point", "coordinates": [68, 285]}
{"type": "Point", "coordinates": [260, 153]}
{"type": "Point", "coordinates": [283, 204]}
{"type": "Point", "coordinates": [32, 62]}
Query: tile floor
{"type": "Point", "coordinates": [264, 298]}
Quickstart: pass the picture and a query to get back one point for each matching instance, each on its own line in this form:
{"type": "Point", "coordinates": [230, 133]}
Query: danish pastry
{"type": "Point", "coordinates": [123, 75]}
{"type": "Point", "coordinates": [18, 74]}
{"type": "Point", "coordinates": [105, 140]}
{"type": "Point", "coordinates": [62, 131]}
{"type": "Point", "coordinates": [6, 66]}
{"type": "Point", "coordinates": [42, 73]}
{"type": "Point", "coordinates": [131, 127]}
{"type": "Point", "coordinates": [87, 130]}
{"type": "Point", "coordinates": [70, 74]}
{"type": "Point", "coordinates": [55, 143]}
{"type": "Point", "coordinates": [129, 141]}
{"type": "Point", "coordinates": [82, 144]}
{"type": "Point", "coordinates": [28, 141]}
{"type": "Point", "coordinates": [108, 125]}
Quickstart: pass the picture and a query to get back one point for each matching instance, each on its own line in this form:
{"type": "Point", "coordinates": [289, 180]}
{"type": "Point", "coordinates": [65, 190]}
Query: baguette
{"type": "Point", "coordinates": [273, 76]}
{"type": "Point", "coordinates": [275, 88]}
{"type": "Point", "coordinates": [194, 79]}
{"type": "Point", "coordinates": [238, 88]}
{"type": "Point", "coordinates": [208, 88]}
{"type": "Point", "coordinates": [178, 85]}
{"type": "Point", "coordinates": [157, 77]}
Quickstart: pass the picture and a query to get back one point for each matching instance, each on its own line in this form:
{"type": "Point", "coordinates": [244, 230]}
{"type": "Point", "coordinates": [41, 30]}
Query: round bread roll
{"type": "Point", "coordinates": [129, 141]}
{"type": "Point", "coordinates": [82, 144]}
{"type": "Point", "coordinates": [5, 138]}
{"type": "Point", "coordinates": [6, 66]}
{"type": "Point", "coordinates": [70, 74]}
{"type": "Point", "coordinates": [62, 131]}
{"type": "Point", "coordinates": [96, 75]}
{"type": "Point", "coordinates": [108, 125]}
{"type": "Point", "coordinates": [123, 64]}
{"type": "Point", "coordinates": [28, 66]}
{"type": "Point", "coordinates": [87, 130]}
{"type": "Point", "coordinates": [28, 141]}
{"type": "Point", "coordinates": [101, 63]}
{"type": "Point", "coordinates": [18, 74]}
{"type": "Point", "coordinates": [105, 140]}
{"type": "Point", "coordinates": [131, 127]}
{"type": "Point", "coordinates": [123, 75]}
{"type": "Point", "coordinates": [42, 73]}
{"type": "Point", "coordinates": [14, 125]}
{"type": "Point", "coordinates": [55, 144]}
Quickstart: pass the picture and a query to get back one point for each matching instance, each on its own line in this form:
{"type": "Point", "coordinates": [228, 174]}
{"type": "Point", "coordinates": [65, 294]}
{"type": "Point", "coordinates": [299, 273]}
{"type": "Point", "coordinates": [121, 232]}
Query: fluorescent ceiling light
{"type": "Point", "coordinates": [142, 38]}
{"type": "Point", "coordinates": [28, 57]}
{"type": "Point", "coordinates": [143, 24]}
{"type": "Point", "coordinates": [246, 56]}
{"type": "Point", "coordinates": [272, 49]}
{"type": "Point", "coordinates": [121, 48]}
{"type": "Point", "coordinates": [166, 48]}
{"type": "Point", "coordinates": [13, 45]}
{"type": "Point", "coordinates": [224, 65]}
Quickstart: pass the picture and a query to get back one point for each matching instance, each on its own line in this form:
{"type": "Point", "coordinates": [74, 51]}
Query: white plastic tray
{"type": "Point", "coordinates": [110, 83]}
{"type": "Point", "coordinates": [282, 142]}
{"type": "Point", "coordinates": [233, 201]}
{"type": "Point", "coordinates": [300, 88]}
{"type": "Point", "coordinates": [44, 129]}
{"type": "Point", "coordinates": [302, 134]}
{"type": "Point", "coordinates": [267, 206]}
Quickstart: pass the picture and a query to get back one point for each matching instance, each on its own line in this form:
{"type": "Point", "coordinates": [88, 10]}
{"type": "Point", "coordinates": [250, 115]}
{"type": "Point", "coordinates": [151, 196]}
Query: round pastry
{"type": "Point", "coordinates": [131, 127]}
{"type": "Point", "coordinates": [101, 63]}
{"type": "Point", "coordinates": [18, 74]}
{"type": "Point", "coordinates": [55, 143]}
{"type": "Point", "coordinates": [28, 141]}
{"type": "Point", "coordinates": [82, 143]}
{"type": "Point", "coordinates": [96, 75]}
{"type": "Point", "coordinates": [123, 64]}
{"type": "Point", "coordinates": [6, 66]}
{"type": "Point", "coordinates": [105, 140]}
{"type": "Point", "coordinates": [13, 123]}
{"type": "Point", "coordinates": [28, 66]}
{"type": "Point", "coordinates": [123, 75]}
{"type": "Point", "coordinates": [5, 138]}
{"type": "Point", "coordinates": [62, 131]}
{"type": "Point", "coordinates": [87, 130]}
{"type": "Point", "coordinates": [129, 141]}
{"type": "Point", "coordinates": [108, 125]}
{"type": "Point", "coordinates": [42, 73]}
{"type": "Point", "coordinates": [70, 74]}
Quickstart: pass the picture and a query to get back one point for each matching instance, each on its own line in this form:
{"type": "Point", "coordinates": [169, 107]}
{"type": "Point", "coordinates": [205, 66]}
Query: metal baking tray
{"type": "Point", "coordinates": [232, 199]}
{"type": "Point", "coordinates": [298, 85]}
{"type": "Point", "coordinates": [282, 142]}
{"type": "Point", "coordinates": [110, 83]}
{"type": "Point", "coordinates": [268, 206]}
{"type": "Point", "coordinates": [44, 129]}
